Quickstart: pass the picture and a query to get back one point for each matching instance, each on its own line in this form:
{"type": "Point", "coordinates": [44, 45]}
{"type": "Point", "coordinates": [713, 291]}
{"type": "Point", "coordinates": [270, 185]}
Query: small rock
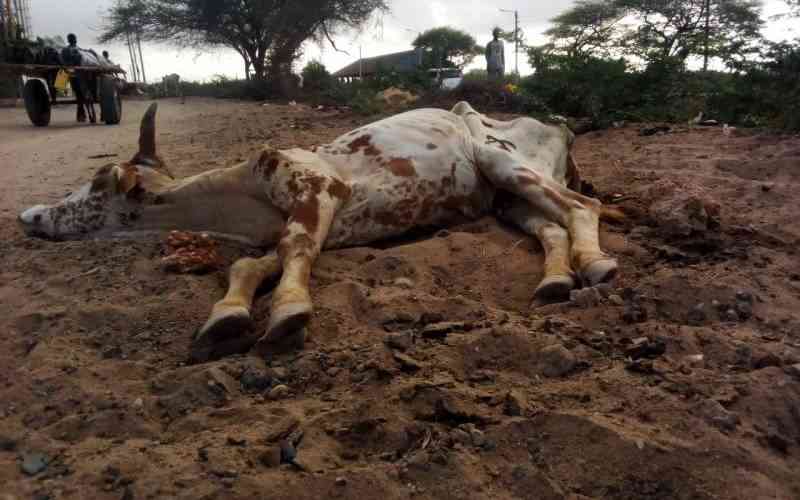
{"type": "Point", "coordinates": [605, 289]}
{"type": "Point", "coordinates": [440, 330]}
{"type": "Point", "coordinates": [340, 481]}
{"type": "Point", "coordinates": [744, 310]}
{"type": "Point", "coordinates": [461, 436]}
{"type": "Point", "coordinates": [407, 363]}
{"type": "Point", "coordinates": [793, 370]}
{"type": "Point", "coordinates": [556, 361]}
{"type": "Point", "coordinates": [730, 316]}
{"type": "Point", "coordinates": [113, 352]}
{"type": "Point", "coordinates": [254, 380]}
{"type": "Point", "coordinates": [401, 340]}
{"type": "Point", "coordinates": [288, 452]}
{"type": "Point", "coordinates": [767, 360]}
{"type": "Point", "coordinates": [695, 359]}
{"type": "Point", "coordinates": [634, 313]}
{"type": "Point", "coordinates": [697, 315]}
{"type": "Point", "coordinates": [777, 442]}
{"type": "Point", "coordinates": [7, 443]}
{"type": "Point", "coordinates": [477, 436]}
{"type": "Point", "coordinates": [404, 283]}
{"type": "Point", "coordinates": [280, 372]}
{"type": "Point", "coordinates": [616, 300]}
{"type": "Point", "coordinates": [430, 317]}
{"type": "Point", "coordinates": [585, 297]}
{"type": "Point", "coordinates": [716, 415]}
{"type": "Point", "coordinates": [138, 403]}
{"type": "Point", "coordinates": [279, 392]}
{"type": "Point", "coordinates": [512, 405]}
{"type": "Point", "coordinates": [34, 463]}
{"type": "Point", "coordinates": [234, 441]}
{"type": "Point", "coordinates": [644, 347]}
{"type": "Point", "coordinates": [644, 366]}
{"type": "Point", "coordinates": [743, 296]}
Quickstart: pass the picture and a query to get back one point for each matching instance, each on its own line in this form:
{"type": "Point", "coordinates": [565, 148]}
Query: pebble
{"type": "Point", "coordinates": [512, 406]}
{"type": "Point", "coordinates": [767, 360]}
{"type": "Point", "coordinates": [401, 341]}
{"type": "Point", "coordinates": [695, 359]}
{"type": "Point", "coordinates": [644, 347]}
{"type": "Point", "coordinates": [794, 370]}
{"type": "Point", "coordinates": [404, 283]}
{"type": "Point", "coordinates": [556, 361]}
{"type": "Point", "coordinates": [716, 415]}
{"type": "Point", "coordinates": [585, 297]}
{"type": "Point", "coordinates": [777, 442]}
{"type": "Point", "coordinates": [744, 309]}
{"type": "Point", "coordinates": [279, 392]}
{"type": "Point", "coordinates": [616, 300]}
{"type": "Point", "coordinates": [730, 316]}
{"type": "Point", "coordinates": [340, 481]}
{"type": "Point", "coordinates": [697, 315]}
{"type": "Point", "coordinates": [605, 289]}
{"type": "Point", "coordinates": [138, 403]}
{"type": "Point", "coordinates": [33, 463]}
{"type": "Point", "coordinates": [255, 381]}
{"type": "Point", "coordinates": [477, 436]}
{"type": "Point", "coordinates": [744, 296]}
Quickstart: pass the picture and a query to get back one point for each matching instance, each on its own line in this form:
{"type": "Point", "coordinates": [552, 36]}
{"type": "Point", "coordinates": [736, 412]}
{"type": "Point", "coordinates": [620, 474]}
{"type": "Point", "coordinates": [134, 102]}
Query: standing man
{"type": "Point", "coordinates": [495, 56]}
{"type": "Point", "coordinates": [71, 56]}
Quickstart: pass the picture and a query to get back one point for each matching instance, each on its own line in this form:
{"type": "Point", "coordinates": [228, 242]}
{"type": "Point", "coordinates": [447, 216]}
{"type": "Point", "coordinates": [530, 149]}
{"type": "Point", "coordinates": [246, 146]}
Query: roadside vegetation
{"type": "Point", "coordinates": [605, 61]}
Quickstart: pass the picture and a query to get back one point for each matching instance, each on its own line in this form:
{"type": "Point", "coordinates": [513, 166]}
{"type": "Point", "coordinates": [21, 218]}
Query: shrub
{"type": "Point", "coordinates": [316, 77]}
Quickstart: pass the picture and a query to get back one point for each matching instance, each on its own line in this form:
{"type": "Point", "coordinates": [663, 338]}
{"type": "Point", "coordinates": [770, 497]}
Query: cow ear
{"type": "Point", "coordinates": [147, 134]}
{"type": "Point", "coordinates": [128, 178]}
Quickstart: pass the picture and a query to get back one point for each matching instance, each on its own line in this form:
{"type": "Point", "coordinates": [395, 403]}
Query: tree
{"type": "Point", "coordinates": [657, 31]}
{"type": "Point", "coordinates": [449, 45]}
{"type": "Point", "coordinates": [590, 27]}
{"type": "Point", "coordinates": [267, 34]}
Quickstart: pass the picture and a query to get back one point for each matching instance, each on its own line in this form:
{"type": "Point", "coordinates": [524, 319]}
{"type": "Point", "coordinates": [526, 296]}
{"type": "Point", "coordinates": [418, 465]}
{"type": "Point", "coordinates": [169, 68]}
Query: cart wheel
{"type": "Point", "coordinates": [110, 101]}
{"type": "Point", "coordinates": [37, 102]}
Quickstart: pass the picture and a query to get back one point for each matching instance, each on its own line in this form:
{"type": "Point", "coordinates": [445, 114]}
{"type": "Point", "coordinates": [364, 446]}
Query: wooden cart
{"type": "Point", "coordinates": [38, 100]}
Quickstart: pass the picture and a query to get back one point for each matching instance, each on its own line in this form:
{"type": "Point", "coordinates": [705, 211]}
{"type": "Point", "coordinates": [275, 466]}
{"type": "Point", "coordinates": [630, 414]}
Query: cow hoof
{"type": "Point", "coordinates": [554, 288]}
{"type": "Point", "coordinates": [286, 319]}
{"type": "Point", "coordinates": [226, 322]}
{"type": "Point", "coordinates": [599, 271]}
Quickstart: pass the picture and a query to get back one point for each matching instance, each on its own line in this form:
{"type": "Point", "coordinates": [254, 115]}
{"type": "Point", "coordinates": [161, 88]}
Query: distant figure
{"type": "Point", "coordinates": [80, 81]}
{"type": "Point", "coordinates": [495, 56]}
{"type": "Point", "coordinates": [172, 86]}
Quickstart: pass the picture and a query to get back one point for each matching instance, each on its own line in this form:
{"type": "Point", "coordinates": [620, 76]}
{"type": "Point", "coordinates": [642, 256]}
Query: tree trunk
{"type": "Point", "coordinates": [141, 59]}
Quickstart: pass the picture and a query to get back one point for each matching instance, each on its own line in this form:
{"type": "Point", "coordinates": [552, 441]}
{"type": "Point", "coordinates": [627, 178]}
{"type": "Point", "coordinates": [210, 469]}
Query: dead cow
{"type": "Point", "coordinates": [426, 167]}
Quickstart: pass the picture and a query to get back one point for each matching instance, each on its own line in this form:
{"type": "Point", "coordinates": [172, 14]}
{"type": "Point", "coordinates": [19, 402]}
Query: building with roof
{"type": "Point", "coordinates": [398, 62]}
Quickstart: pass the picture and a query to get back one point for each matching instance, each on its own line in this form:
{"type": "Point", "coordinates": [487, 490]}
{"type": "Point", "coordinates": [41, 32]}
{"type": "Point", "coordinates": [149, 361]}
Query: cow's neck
{"type": "Point", "coordinates": [223, 202]}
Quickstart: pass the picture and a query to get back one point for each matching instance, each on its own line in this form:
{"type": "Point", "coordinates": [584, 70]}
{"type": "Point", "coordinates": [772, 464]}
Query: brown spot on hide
{"type": "Point", "coordinates": [364, 143]}
{"type": "Point", "coordinates": [401, 167]}
{"type": "Point", "coordinates": [269, 163]}
{"type": "Point", "coordinates": [432, 146]}
{"type": "Point", "coordinates": [339, 189]}
{"type": "Point", "coordinates": [295, 245]}
{"type": "Point", "coordinates": [306, 212]}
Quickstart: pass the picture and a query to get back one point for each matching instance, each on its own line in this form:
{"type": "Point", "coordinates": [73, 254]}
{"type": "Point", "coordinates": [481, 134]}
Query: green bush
{"type": "Point", "coordinates": [316, 77]}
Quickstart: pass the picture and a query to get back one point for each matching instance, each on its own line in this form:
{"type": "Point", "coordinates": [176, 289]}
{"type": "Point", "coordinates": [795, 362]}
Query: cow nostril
{"type": "Point", "coordinates": [37, 218]}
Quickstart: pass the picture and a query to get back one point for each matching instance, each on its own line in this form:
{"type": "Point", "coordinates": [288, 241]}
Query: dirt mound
{"type": "Point", "coordinates": [427, 371]}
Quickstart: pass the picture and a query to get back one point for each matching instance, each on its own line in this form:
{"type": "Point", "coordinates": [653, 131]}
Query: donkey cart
{"type": "Point", "coordinates": [40, 95]}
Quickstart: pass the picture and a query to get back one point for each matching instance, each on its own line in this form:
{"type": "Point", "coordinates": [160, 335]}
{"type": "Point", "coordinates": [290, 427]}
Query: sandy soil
{"type": "Point", "coordinates": [426, 372]}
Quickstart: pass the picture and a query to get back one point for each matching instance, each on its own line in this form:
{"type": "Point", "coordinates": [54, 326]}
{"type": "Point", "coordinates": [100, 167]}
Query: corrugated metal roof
{"type": "Point", "coordinates": [399, 61]}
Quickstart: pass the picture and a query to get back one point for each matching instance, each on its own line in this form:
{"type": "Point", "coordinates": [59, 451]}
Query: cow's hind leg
{"type": "Point", "coordinates": [559, 278]}
{"type": "Point", "coordinates": [578, 213]}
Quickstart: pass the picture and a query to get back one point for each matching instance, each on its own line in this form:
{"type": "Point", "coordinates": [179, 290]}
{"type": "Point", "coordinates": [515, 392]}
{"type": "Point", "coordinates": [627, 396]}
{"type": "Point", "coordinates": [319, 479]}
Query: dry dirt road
{"type": "Point", "coordinates": [427, 372]}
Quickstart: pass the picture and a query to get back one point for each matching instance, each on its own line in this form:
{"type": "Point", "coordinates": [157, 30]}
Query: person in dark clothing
{"type": "Point", "coordinates": [71, 56]}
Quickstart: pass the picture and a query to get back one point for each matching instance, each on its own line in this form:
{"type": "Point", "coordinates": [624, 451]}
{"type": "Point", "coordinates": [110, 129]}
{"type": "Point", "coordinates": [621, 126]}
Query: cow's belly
{"type": "Point", "coordinates": [383, 205]}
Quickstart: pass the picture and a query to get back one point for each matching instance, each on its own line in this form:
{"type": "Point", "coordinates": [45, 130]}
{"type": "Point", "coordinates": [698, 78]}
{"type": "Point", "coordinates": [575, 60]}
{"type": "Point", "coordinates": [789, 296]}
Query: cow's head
{"type": "Point", "coordinates": [109, 203]}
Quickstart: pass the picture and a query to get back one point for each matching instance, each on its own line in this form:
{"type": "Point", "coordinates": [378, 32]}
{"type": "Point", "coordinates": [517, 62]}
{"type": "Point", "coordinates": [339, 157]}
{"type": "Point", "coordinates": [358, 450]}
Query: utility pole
{"type": "Point", "coordinates": [705, 49]}
{"type": "Point", "coordinates": [516, 37]}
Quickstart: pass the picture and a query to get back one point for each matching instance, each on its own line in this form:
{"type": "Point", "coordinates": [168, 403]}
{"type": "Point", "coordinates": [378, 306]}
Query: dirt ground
{"type": "Point", "coordinates": [427, 372]}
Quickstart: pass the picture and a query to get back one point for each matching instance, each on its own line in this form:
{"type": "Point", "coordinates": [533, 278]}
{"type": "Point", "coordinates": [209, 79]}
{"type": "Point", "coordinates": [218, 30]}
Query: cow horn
{"type": "Point", "coordinates": [147, 133]}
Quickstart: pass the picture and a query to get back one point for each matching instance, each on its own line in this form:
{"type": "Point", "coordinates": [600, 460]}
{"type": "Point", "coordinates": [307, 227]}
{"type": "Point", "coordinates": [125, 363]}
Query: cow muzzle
{"type": "Point", "coordinates": [34, 221]}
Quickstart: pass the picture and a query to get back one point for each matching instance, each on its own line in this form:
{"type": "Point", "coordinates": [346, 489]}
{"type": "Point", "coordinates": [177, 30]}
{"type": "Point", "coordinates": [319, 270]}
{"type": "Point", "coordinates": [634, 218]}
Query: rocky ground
{"type": "Point", "coordinates": [426, 372]}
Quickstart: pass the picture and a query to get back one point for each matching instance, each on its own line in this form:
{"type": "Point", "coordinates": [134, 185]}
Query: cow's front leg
{"type": "Point", "coordinates": [306, 230]}
{"type": "Point", "coordinates": [231, 315]}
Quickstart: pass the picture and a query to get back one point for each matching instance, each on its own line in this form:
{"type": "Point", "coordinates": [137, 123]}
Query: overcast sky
{"type": "Point", "coordinates": [394, 32]}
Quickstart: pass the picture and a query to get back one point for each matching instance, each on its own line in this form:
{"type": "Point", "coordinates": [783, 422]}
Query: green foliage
{"type": "Point", "coordinates": [448, 45]}
{"type": "Point", "coordinates": [267, 34]}
{"type": "Point", "coordinates": [316, 77]}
